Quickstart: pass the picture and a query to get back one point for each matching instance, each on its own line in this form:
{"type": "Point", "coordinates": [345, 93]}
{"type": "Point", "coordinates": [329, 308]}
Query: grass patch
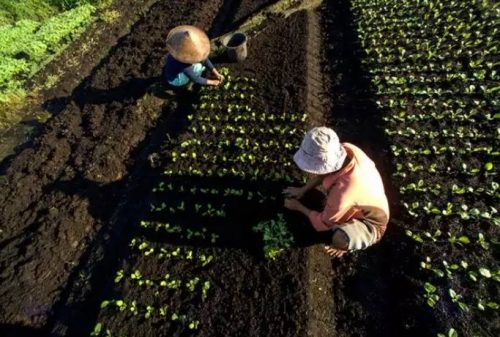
{"type": "Point", "coordinates": [28, 45]}
{"type": "Point", "coordinates": [12, 11]}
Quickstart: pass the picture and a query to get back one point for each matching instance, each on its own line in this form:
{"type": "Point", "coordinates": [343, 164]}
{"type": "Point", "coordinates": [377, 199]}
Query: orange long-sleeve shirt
{"type": "Point", "coordinates": [354, 192]}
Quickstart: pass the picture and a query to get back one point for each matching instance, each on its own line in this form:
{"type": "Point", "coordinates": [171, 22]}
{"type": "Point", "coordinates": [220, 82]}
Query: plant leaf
{"type": "Point", "coordinates": [464, 239]}
{"type": "Point", "coordinates": [452, 333]}
{"type": "Point", "coordinates": [485, 272]}
{"type": "Point", "coordinates": [429, 287]}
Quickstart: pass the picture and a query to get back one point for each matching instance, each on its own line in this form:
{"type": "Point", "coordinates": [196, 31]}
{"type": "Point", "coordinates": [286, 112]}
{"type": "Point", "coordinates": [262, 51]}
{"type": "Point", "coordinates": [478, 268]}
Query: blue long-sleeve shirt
{"type": "Point", "coordinates": [173, 68]}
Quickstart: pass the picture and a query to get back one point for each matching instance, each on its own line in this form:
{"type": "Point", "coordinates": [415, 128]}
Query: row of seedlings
{"type": "Point", "coordinates": [230, 159]}
{"type": "Point", "coordinates": [434, 66]}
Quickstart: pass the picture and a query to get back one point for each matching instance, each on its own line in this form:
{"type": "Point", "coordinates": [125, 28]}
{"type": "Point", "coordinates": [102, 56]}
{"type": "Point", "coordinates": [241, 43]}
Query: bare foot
{"type": "Point", "coordinates": [334, 252]}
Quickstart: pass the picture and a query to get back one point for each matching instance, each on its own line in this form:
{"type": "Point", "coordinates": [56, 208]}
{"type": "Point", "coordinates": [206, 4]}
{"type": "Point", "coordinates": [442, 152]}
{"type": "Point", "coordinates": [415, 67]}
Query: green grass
{"type": "Point", "coordinates": [15, 10]}
{"type": "Point", "coordinates": [29, 44]}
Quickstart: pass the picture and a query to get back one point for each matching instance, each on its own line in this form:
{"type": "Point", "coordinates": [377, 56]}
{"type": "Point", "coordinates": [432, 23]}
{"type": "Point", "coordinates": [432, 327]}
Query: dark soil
{"type": "Point", "coordinates": [248, 296]}
{"type": "Point", "coordinates": [74, 64]}
{"type": "Point", "coordinates": [374, 294]}
{"type": "Point", "coordinates": [57, 194]}
{"type": "Point", "coordinates": [379, 292]}
{"type": "Point", "coordinates": [115, 168]}
{"type": "Point", "coordinates": [82, 185]}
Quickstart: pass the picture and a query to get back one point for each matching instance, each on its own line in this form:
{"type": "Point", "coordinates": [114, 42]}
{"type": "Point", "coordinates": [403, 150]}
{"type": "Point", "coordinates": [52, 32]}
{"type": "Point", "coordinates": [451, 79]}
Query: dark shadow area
{"type": "Point", "coordinates": [85, 285]}
{"type": "Point", "coordinates": [224, 18]}
{"type": "Point", "coordinates": [25, 132]}
{"type": "Point", "coordinates": [18, 330]}
{"type": "Point", "coordinates": [130, 90]}
{"type": "Point", "coordinates": [388, 306]}
{"type": "Point", "coordinates": [79, 307]}
{"type": "Point", "coordinates": [235, 228]}
{"type": "Point", "coordinates": [249, 8]}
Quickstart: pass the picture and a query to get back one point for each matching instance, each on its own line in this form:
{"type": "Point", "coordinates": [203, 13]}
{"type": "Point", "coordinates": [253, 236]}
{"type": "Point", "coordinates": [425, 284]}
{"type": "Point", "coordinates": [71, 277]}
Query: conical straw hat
{"type": "Point", "coordinates": [188, 44]}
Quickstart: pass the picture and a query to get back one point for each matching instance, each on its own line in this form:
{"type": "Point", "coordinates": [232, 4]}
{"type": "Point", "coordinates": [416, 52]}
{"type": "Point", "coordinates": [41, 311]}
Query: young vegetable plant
{"type": "Point", "coordinates": [204, 290]}
{"type": "Point", "coordinates": [430, 294]}
{"type": "Point", "coordinates": [276, 236]}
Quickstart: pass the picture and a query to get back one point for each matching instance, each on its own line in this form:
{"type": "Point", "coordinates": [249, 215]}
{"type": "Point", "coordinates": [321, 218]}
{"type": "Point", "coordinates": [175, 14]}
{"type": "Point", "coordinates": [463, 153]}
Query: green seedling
{"type": "Point", "coordinates": [97, 330]}
{"type": "Point", "coordinates": [460, 240]}
{"type": "Point", "coordinates": [430, 294]}
{"type": "Point", "coordinates": [481, 241]}
{"type": "Point", "coordinates": [456, 298]}
{"type": "Point", "coordinates": [163, 311]}
{"type": "Point", "coordinates": [149, 312]}
{"type": "Point", "coordinates": [483, 305]}
{"type": "Point", "coordinates": [276, 236]}
{"type": "Point", "coordinates": [120, 304]}
{"type": "Point", "coordinates": [451, 333]}
{"type": "Point", "coordinates": [205, 260]}
{"type": "Point", "coordinates": [136, 275]}
{"type": "Point", "coordinates": [193, 325]}
{"type": "Point", "coordinates": [204, 290]}
{"type": "Point", "coordinates": [133, 308]}
{"type": "Point", "coordinates": [119, 275]}
{"type": "Point", "coordinates": [191, 284]}
{"type": "Point", "coordinates": [427, 264]}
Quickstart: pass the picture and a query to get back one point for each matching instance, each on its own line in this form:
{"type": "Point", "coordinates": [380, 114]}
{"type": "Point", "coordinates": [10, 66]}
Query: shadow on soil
{"type": "Point", "coordinates": [20, 331]}
{"type": "Point", "coordinates": [86, 281]}
{"type": "Point", "coordinates": [374, 293]}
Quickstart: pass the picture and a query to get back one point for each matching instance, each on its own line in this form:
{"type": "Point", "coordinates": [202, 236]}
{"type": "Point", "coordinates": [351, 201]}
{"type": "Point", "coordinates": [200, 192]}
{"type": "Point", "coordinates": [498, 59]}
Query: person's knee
{"type": "Point", "coordinates": [340, 240]}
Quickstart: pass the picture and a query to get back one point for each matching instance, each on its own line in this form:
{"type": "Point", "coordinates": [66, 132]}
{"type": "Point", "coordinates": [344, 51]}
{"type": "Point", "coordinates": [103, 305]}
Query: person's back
{"type": "Point", "coordinates": [356, 210]}
{"type": "Point", "coordinates": [364, 192]}
{"type": "Point", "coordinates": [173, 68]}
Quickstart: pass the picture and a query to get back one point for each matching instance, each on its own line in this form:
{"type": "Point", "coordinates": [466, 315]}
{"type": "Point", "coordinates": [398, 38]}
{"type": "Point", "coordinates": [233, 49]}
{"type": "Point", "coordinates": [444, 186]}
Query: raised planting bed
{"type": "Point", "coordinates": [192, 263]}
{"type": "Point", "coordinates": [57, 194]}
{"type": "Point", "coordinates": [415, 86]}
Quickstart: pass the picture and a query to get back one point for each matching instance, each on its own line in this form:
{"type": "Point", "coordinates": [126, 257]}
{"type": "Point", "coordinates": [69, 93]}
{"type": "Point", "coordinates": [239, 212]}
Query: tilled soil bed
{"type": "Point", "coordinates": [57, 195]}
{"type": "Point", "coordinates": [133, 212]}
{"type": "Point", "coordinates": [71, 202]}
{"type": "Point", "coordinates": [190, 263]}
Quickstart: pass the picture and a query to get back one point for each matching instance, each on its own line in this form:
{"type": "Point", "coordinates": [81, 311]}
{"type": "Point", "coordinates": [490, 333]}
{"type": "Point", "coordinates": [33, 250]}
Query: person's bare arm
{"type": "Point", "coordinates": [298, 192]}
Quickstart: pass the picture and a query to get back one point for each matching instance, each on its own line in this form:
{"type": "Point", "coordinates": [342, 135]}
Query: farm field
{"type": "Point", "coordinates": [136, 211]}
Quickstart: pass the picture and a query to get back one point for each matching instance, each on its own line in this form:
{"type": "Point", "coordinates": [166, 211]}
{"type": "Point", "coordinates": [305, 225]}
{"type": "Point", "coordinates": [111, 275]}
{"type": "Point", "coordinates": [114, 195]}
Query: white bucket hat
{"type": "Point", "coordinates": [320, 152]}
{"type": "Point", "coordinates": [188, 44]}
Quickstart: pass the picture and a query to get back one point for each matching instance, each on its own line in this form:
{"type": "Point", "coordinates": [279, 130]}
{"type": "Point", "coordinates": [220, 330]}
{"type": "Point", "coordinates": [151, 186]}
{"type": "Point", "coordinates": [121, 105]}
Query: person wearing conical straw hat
{"type": "Point", "coordinates": [356, 209]}
{"type": "Point", "coordinates": [187, 59]}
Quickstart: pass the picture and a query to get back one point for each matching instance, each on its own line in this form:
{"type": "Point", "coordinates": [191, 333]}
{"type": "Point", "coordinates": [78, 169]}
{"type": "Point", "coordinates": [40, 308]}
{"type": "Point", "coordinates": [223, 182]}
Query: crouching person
{"type": "Point", "coordinates": [187, 59]}
{"type": "Point", "coordinates": [356, 210]}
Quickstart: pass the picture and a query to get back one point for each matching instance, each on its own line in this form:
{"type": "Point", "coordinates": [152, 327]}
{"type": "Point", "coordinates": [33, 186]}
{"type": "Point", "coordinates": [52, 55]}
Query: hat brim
{"type": "Point", "coordinates": [192, 56]}
{"type": "Point", "coordinates": [316, 165]}
{"type": "Point", "coordinates": [313, 165]}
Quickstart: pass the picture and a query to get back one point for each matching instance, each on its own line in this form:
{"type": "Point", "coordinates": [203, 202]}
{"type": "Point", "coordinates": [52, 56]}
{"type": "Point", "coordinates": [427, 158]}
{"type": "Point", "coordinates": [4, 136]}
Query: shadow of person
{"type": "Point", "coordinates": [18, 330]}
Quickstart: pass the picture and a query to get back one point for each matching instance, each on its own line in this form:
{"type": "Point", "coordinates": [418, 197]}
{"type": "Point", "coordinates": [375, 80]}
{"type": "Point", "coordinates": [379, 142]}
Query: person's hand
{"type": "Point", "coordinates": [292, 204]}
{"type": "Point", "coordinates": [294, 192]}
{"type": "Point", "coordinates": [218, 75]}
{"type": "Point", "coordinates": [334, 252]}
{"type": "Point", "coordinates": [214, 82]}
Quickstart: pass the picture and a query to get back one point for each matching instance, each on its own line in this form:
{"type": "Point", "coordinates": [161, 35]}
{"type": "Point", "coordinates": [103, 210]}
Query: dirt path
{"type": "Point", "coordinates": [319, 271]}
{"type": "Point", "coordinates": [374, 294]}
